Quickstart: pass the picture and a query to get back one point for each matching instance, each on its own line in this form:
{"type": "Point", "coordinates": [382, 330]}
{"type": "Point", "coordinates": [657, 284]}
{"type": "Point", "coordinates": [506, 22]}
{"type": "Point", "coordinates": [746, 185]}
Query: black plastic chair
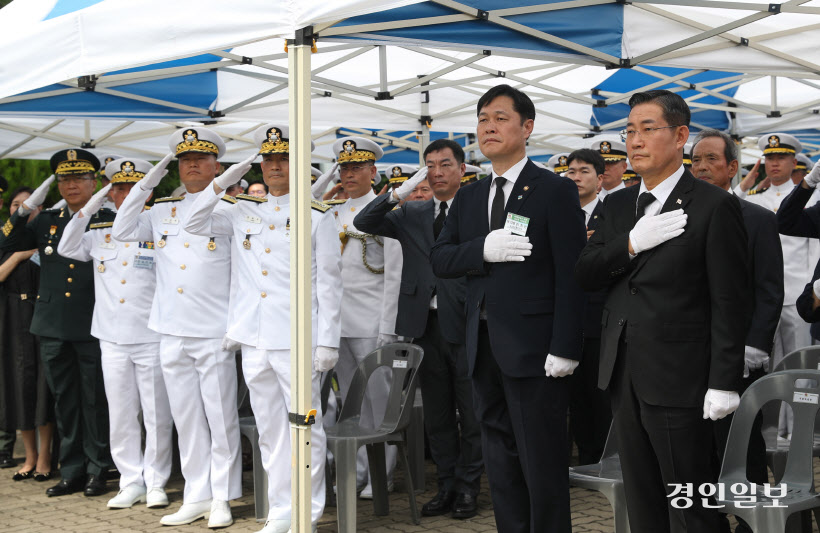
{"type": "Point", "coordinates": [347, 436]}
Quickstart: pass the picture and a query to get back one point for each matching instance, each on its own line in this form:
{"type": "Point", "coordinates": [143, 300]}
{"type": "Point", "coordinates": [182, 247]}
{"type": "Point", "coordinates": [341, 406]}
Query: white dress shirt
{"type": "Point", "coordinates": [193, 282]}
{"type": "Point", "coordinates": [661, 192]}
{"type": "Point", "coordinates": [124, 280]}
{"type": "Point", "coordinates": [604, 192]}
{"type": "Point", "coordinates": [511, 175]}
{"type": "Point", "coordinates": [259, 312]}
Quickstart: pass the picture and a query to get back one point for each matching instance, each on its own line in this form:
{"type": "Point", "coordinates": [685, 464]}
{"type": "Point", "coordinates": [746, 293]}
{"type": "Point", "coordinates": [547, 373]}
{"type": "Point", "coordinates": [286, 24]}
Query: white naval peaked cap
{"type": "Point", "coordinates": [274, 139]}
{"type": "Point", "coordinates": [356, 150]}
{"type": "Point", "coordinates": [610, 149]}
{"type": "Point", "coordinates": [400, 173]}
{"type": "Point", "coordinates": [779, 143]}
{"type": "Point", "coordinates": [558, 163]}
{"type": "Point", "coordinates": [104, 160]}
{"type": "Point", "coordinates": [804, 162]}
{"type": "Point", "coordinates": [127, 170]}
{"type": "Point", "coordinates": [196, 139]}
{"type": "Point", "coordinates": [687, 153]}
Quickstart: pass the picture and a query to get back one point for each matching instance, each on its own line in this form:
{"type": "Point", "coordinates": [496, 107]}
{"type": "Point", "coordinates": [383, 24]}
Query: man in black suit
{"type": "Point", "coordinates": [714, 160]}
{"type": "Point", "coordinates": [431, 310]}
{"type": "Point", "coordinates": [590, 414]}
{"type": "Point", "coordinates": [524, 313]}
{"type": "Point", "coordinates": [672, 254]}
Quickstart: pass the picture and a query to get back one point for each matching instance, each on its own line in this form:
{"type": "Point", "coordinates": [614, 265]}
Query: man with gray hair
{"type": "Point", "coordinates": [714, 159]}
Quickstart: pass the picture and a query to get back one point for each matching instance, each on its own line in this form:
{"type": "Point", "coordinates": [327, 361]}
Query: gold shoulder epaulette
{"type": "Point", "coordinates": [169, 199]}
{"type": "Point", "coordinates": [319, 206]}
{"type": "Point", "coordinates": [335, 202]}
{"type": "Point", "coordinates": [7, 227]}
{"type": "Point", "coordinates": [250, 198]}
{"type": "Point", "coordinates": [146, 208]}
{"type": "Point", "coordinates": [100, 225]}
{"type": "Point", "coordinates": [228, 198]}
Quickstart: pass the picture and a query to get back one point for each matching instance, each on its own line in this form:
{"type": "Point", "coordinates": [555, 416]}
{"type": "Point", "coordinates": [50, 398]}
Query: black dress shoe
{"type": "Point", "coordinates": [465, 506]}
{"type": "Point", "coordinates": [95, 486]}
{"type": "Point", "coordinates": [66, 486]}
{"type": "Point", "coordinates": [441, 504]}
{"type": "Point", "coordinates": [7, 461]}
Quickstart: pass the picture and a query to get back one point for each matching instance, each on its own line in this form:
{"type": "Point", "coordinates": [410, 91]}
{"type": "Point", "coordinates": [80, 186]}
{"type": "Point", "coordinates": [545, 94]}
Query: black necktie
{"type": "Point", "coordinates": [438, 223]}
{"type": "Point", "coordinates": [644, 200]}
{"type": "Point", "coordinates": [497, 210]}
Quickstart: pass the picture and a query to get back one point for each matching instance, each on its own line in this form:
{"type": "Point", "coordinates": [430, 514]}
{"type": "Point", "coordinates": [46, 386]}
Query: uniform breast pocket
{"type": "Point", "coordinates": [247, 228]}
{"type": "Point", "coordinates": [102, 253]}
{"type": "Point", "coordinates": [167, 230]}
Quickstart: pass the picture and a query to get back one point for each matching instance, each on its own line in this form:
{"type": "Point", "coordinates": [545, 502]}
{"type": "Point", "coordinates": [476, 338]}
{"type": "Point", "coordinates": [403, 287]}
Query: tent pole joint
{"type": "Point", "coordinates": [774, 9]}
{"type": "Point", "coordinates": [483, 15]}
{"type": "Point", "coordinates": [744, 41]}
{"type": "Point", "coordinates": [426, 120]}
{"type": "Point", "coordinates": [215, 114]}
{"type": "Point", "coordinates": [86, 144]}
{"type": "Point", "coordinates": [773, 114]}
{"type": "Point", "coordinates": [303, 37]}
{"type": "Point", "coordinates": [383, 95]}
{"type": "Point", "coordinates": [625, 62]}
{"type": "Point", "coordinates": [247, 60]}
{"type": "Point", "coordinates": [89, 83]}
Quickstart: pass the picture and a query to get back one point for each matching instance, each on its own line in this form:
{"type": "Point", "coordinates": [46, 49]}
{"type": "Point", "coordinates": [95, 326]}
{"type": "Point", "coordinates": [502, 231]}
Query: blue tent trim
{"type": "Point", "coordinates": [64, 7]}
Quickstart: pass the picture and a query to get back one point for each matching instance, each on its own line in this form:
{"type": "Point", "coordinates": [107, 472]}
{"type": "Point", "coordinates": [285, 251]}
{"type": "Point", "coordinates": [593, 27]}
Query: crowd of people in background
{"type": "Point", "coordinates": [618, 287]}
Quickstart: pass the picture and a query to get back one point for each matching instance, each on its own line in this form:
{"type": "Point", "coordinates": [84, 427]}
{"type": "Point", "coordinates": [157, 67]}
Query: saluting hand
{"type": "Point", "coordinates": [406, 189]}
{"type": "Point", "coordinates": [95, 202]}
{"type": "Point", "coordinates": [233, 174]}
{"type": "Point", "coordinates": [156, 174]}
{"type": "Point", "coordinates": [37, 197]}
{"type": "Point", "coordinates": [321, 182]}
{"type": "Point", "coordinates": [814, 176]}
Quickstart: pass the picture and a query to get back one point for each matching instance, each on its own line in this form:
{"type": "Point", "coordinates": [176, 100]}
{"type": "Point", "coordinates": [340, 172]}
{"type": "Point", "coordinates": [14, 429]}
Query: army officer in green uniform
{"type": "Point", "coordinates": [62, 319]}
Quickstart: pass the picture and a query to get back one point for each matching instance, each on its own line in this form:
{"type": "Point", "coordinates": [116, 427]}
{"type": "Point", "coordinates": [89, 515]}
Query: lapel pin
{"type": "Point", "coordinates": [526, 187]}
{"type": "Point", "coordinates": [520, 196]}
{"type": "Point", "coordinates": [678, 202]}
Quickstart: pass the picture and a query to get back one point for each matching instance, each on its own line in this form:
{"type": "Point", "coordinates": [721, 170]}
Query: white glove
{"type": "Point", "coordinates": [95, 203]}
{"type": "Point", "coordinates": [318, 188]}
{"type": "Point", "coordinates": [153, 177]}
{"type": "Point", "coordinates": [816, 287]}
{"type": "Point", "coordinates": [37, 197]}
{"type": "Point", "coordinates": [501, 246]}
{"type": "Point", "coordinates": [813, 177]}
{"type": "Point", "coordinates": [558, 367]}
{"type": "Point", "coordinates": [59, 205]}
{"type": "Point", "coordinates": [719, 403]}
{"type": "Point", "coordinates": [754, 358]}
{"type": "Point", "coordinates": [404, 190]}
{"type": "Point", "coordinates": [325, 358]}
{"type": "Point", "coordinates": [386, 338]}
{"type": "Point", "coordinates": [651, 231]}
{"type": "Point", "coordinates": [234, 174]}
{"type": "Point", "coordinates": [229, 345]}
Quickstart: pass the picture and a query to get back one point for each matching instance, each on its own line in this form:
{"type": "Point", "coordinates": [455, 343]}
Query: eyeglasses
{"type": "Point", "coordinates": [643, 132]}
{"type": "Point", "coordinates": [73, 179]}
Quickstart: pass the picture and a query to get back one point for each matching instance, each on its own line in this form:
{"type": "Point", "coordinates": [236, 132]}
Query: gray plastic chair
{"type": "Point", "coordinates": [347, 436]}
{"type": "Point", "coordinates": [798, 475]}
{"type": "Point", "coordinates": [605, 477]}
{"type": "Point", "coordinates": [777, 450]}
{"type": "Point", "coordinates": [247, 427]}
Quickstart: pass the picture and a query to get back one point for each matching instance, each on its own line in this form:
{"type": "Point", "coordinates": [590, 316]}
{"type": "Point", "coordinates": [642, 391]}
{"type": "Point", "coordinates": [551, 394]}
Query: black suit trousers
{"type": "Point", "coordinates": [524, 439]}
{"type": "Point", "coordinates": [590, 412]}
{"type": "Point", "coordinates": [446, 387]}
{"type": "Point", "coordinates": [74, 375]}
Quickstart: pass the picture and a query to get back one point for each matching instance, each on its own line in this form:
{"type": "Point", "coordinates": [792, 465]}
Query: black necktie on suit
{"type": "Point", "coordinates": [497, 210]}
{"type": "Point", "coordinates": [438, 223]}
{"type": "Point", "coordinates": [644, 200]}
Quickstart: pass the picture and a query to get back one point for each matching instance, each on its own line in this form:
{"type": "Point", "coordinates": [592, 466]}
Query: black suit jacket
{"type": "Point", "coordinates": [683, 306]}
{"type": "Point", "coordinates": [412, 225]}
{"type": "Point", "coordinates": [793, 218]}
{"type": "Point", "coordinates": [65, 301]}
{"type": "Point", "coordinates": [765, 271]}
{"type": "Point", "coordinates": [805, 302]}
{"type": "Point", "coordinates": [534, 307]}
{"type": "Point", "coordinates": [595, 299]}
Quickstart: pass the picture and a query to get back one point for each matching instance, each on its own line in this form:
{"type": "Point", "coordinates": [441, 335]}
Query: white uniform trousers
{"type": "Point", "coordinates": [267, 373]}
{"type": "Point", "coordinates": [352, 351]}
{"type": "Point", "coordinates": [201, 380]}
{"type": "Point", "coordinates": [133, 381]}
{"type": "Point", "coordinates": [792, 334]}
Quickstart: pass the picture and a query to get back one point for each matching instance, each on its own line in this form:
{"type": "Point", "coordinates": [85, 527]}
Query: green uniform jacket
{"type": "Point", "coordinates": [65, 302]}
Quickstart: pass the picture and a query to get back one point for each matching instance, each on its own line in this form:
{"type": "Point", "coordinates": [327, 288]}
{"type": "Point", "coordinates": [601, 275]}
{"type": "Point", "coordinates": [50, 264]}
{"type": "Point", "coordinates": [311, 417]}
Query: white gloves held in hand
{"type": "Point", "coordinates": [386, 338]}
{"type": "Point", "coordinates": [813, 177]}
{"type": "Point", "coordinates": [156, 174]}
{"type": "Point", "coordinates": [816, 287]}
{"type": "Point", "coordinates": [558, 367]}
{"type": "Point", "coordinates": [234, 174]}
{"type": "Point", "coordinates": [650, 231]}
{"type": "Point", "coordinates": [230, 345]}
{"type": "Point", "coordinates": [37, 197]}
{"type": "Point", "coordinates": [95, 203]}
{"type": "Point", "coordinates": [404, 190]}
{"type": "Point", "coordinates": [719, 403]}
{"type": "Point", "coordinates": [325, 358]}
{"type": "Point", "coordinates": [501, 246]}
{"type": "Point", "coordinates": [754, 359]}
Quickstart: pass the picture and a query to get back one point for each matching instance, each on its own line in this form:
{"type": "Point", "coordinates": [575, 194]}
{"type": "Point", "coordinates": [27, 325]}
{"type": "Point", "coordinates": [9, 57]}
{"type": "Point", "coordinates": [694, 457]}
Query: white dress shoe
{"type": "Point", "coordinates": [276, 526]}
{"type": "Point", "coordinates": [156, 497]}
{"type": "Point", "coordinates": [367, 492]}
{"type": "Point", "coordinates": [188, 513]}
{"type": "Point", "coordinates": [220, 514]}
{"type": "Point", "coordinates": [127, 497]}
{"type": "Point", "coordinates": [313, 528]}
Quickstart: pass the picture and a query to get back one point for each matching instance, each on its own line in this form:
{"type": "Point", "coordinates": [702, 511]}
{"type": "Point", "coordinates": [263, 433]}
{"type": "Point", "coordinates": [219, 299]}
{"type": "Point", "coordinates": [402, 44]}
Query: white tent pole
{"type": "Point", "coordinates": [300, 276]}
{"type": "Point", "coordinates": [774, 93]}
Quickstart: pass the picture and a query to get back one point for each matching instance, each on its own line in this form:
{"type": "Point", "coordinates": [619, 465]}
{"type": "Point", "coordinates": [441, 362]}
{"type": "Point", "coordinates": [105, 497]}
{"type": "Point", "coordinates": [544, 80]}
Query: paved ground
{"type": "Point", "coordinates": [25, 508]}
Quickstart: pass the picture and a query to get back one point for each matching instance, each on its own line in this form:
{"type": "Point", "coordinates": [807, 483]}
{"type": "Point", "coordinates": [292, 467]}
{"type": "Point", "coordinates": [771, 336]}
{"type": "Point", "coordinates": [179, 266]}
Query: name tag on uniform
{"type": "Point", "coordinates": [144, 261]}
{"type": "Point", "coordinates": [170, 221]}
{"type": "Point", "coordinates": [252, 219]}
{"type": "Point", "coordinates": [516, 224]}
{"type": "Point", "coordinates": [108, 245]}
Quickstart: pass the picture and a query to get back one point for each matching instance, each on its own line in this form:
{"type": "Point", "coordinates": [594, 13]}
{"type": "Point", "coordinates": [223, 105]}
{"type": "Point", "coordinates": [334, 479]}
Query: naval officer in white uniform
{"type": "Point", "coordinates": [193, 274]}
{"type": "Point", "coordinates": [259, 315]}
{"type": "Point", "coordinates": [124, 283]}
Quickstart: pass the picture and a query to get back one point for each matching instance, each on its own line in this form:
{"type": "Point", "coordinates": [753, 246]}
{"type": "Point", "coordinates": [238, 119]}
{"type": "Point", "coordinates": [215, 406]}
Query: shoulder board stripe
{"type": "Point", "coordinates": [250, 198]}
{"type": "Point", "coordinates": [335, 202]}
{"type": "Point", "coordinates": [146, 208]}
{"type": "Point", "coordinates": [228, 198]}
{"type": "Point", "coordinates": [101, 225]}
{"type": "Point", "coordinates": [319, 206]}
{"type": "Point", "coordinates": [169, 199]}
